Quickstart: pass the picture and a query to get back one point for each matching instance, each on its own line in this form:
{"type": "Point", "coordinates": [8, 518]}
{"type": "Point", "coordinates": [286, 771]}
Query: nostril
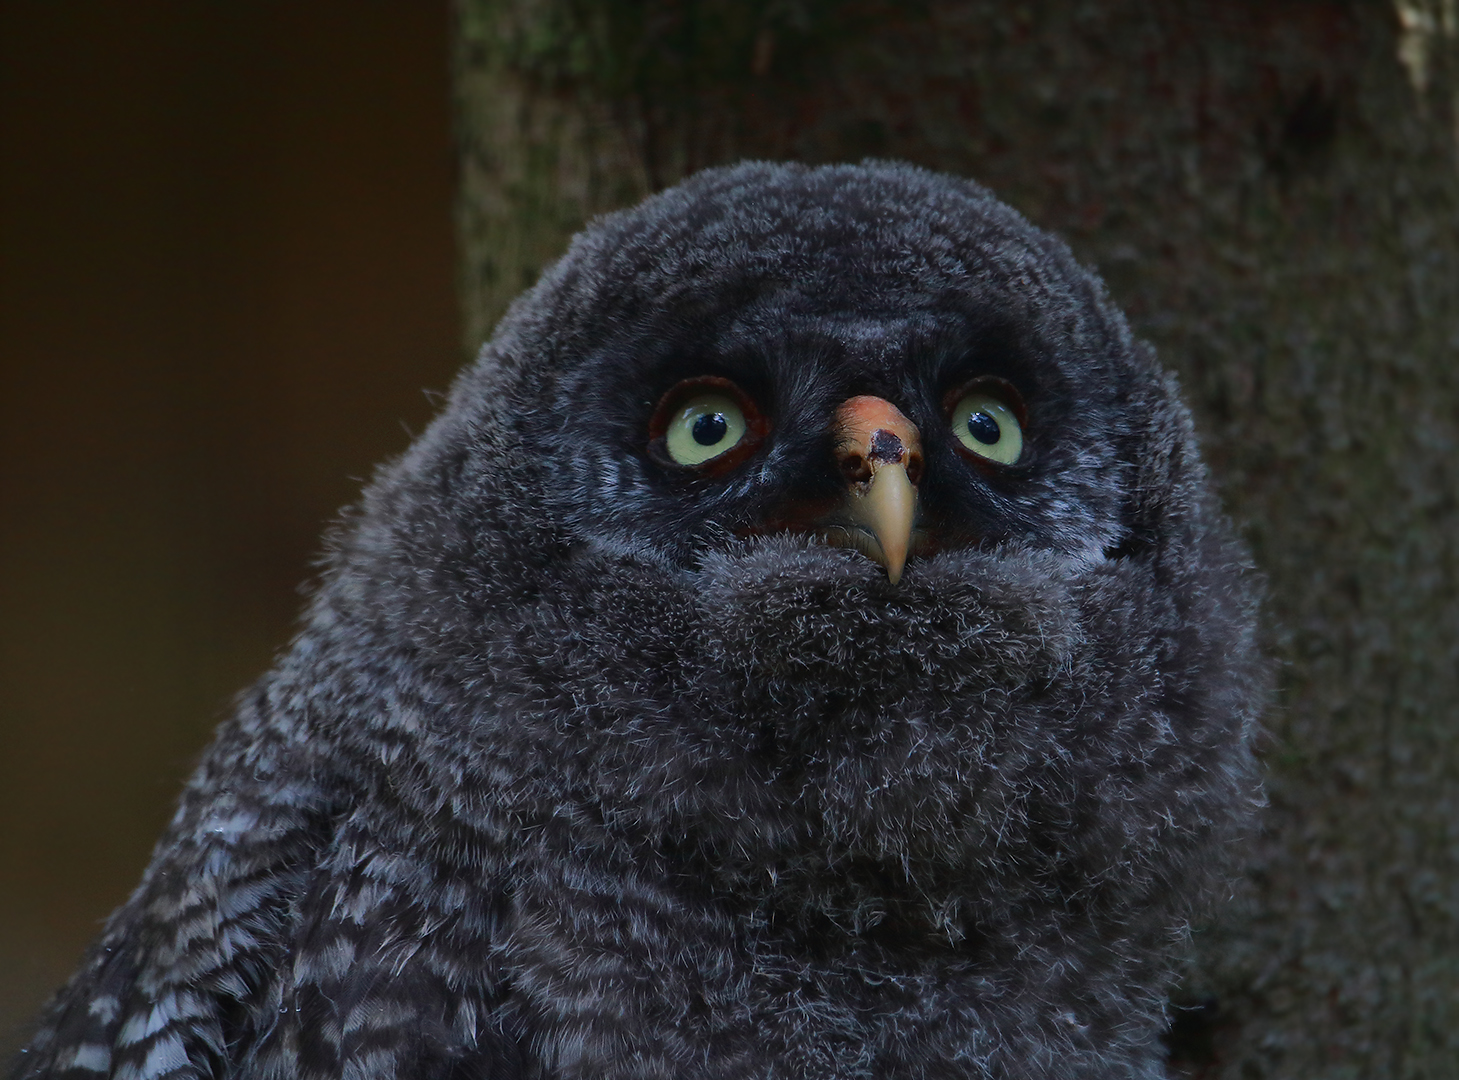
{"type": "Point", "coordinates": [914, 468]}
{"type": "Point", "coordinates": [855, 468]}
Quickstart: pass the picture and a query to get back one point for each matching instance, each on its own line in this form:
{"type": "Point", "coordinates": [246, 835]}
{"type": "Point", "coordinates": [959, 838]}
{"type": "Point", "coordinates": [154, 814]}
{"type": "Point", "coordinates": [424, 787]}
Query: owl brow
{"type": "Point", "coordinates": [972, 344]}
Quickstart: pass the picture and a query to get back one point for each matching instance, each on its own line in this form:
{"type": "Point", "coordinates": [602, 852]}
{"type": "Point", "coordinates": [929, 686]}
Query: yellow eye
{"type": "Point", "coordinates": [988, 427]}
{"type": "Point", "coordinates": [703, 427]}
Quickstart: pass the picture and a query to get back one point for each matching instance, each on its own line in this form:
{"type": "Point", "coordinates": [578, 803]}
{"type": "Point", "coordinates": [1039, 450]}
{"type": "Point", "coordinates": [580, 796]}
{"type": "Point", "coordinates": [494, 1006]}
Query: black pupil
{"type": "Point", "coordinates": [980, 425]}
{"type": "Point", "coordinates": [710, 428]}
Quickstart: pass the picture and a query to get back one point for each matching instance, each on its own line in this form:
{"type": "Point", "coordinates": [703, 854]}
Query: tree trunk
{"type": "Point", "coordinates": [1270, 191]}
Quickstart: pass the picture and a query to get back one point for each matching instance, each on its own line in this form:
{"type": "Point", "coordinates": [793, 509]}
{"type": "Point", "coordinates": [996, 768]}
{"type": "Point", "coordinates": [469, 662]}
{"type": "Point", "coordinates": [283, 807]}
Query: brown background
{"type": "Point", "coordinates": [226, 276]}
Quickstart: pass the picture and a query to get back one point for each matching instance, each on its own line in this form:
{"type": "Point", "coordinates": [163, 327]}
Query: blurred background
{"type": "Point", "coordinates": [227, 275]}
{"type": "Point", "coordinates": [229, 271]}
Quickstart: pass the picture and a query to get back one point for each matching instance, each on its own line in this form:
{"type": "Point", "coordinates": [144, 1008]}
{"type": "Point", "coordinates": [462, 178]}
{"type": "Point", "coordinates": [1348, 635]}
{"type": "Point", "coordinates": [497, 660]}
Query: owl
{"type": "Point", "coordinates": [806, 645]}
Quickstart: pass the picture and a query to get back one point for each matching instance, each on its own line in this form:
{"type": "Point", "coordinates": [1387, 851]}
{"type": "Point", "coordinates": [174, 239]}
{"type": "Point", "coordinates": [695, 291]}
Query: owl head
{"type": "Point", "coordinates": [827, 527]}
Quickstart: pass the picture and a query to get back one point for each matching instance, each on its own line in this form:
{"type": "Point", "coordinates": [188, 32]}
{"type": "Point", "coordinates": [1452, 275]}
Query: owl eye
{"type": "Point", "coordinates": [986, 422]}
{"type": "Point", "coordinates": [704, 427]}
{"type": "Point", "coordinates": [706, 423]}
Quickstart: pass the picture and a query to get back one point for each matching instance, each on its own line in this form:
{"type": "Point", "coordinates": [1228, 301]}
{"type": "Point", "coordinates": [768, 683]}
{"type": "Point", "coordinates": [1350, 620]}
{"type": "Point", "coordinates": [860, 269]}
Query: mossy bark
{"type": "Point", "coordinates": [1270, 191]}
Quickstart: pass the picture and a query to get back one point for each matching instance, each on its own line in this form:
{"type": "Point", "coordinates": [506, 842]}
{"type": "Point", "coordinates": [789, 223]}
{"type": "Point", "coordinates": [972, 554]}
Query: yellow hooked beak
{"type": "Point", "coordinates": [879, 452]}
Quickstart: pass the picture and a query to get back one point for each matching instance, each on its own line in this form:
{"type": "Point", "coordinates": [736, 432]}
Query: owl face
{"type": "Point", "coordinates": [819, 514]}
{"type": "Point", "coordinates": [899, 406]}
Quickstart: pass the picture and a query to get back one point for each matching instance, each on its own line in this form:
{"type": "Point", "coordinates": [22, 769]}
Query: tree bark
{"type": "Point", "coordinates": [1270, 191]}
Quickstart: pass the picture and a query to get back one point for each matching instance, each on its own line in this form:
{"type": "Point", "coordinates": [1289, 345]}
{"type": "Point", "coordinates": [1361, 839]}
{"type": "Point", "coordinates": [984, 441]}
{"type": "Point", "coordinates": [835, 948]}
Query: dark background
{"type": "Point", "coordinates": [227, 273]}
{"type": "Point", "coordinates": [226, 277]}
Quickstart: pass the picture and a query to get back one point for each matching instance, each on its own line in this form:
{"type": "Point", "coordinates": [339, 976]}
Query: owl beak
{"type": "Point", "coordinates": [879, 452]}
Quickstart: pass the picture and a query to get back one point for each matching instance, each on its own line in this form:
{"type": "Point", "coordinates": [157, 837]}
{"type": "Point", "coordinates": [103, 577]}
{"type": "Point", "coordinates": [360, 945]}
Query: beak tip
{"type": "Point", "coordinates": [886, 511]}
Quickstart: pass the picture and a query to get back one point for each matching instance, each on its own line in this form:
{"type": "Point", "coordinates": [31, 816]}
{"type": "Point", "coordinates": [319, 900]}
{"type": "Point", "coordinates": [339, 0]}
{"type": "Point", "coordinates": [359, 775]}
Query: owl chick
{"type": "Point", "coordinates": [806, 645]}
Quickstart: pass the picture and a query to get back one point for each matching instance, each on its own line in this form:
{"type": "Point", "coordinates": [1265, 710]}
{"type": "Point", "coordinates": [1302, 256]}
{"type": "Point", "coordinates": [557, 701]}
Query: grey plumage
{"type": "Point", "coordinates": [587, 765]}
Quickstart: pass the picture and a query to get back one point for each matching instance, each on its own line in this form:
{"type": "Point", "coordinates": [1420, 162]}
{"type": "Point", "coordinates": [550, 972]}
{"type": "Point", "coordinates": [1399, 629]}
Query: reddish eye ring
{"type": "Point", "coordinates": [756, 425]}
